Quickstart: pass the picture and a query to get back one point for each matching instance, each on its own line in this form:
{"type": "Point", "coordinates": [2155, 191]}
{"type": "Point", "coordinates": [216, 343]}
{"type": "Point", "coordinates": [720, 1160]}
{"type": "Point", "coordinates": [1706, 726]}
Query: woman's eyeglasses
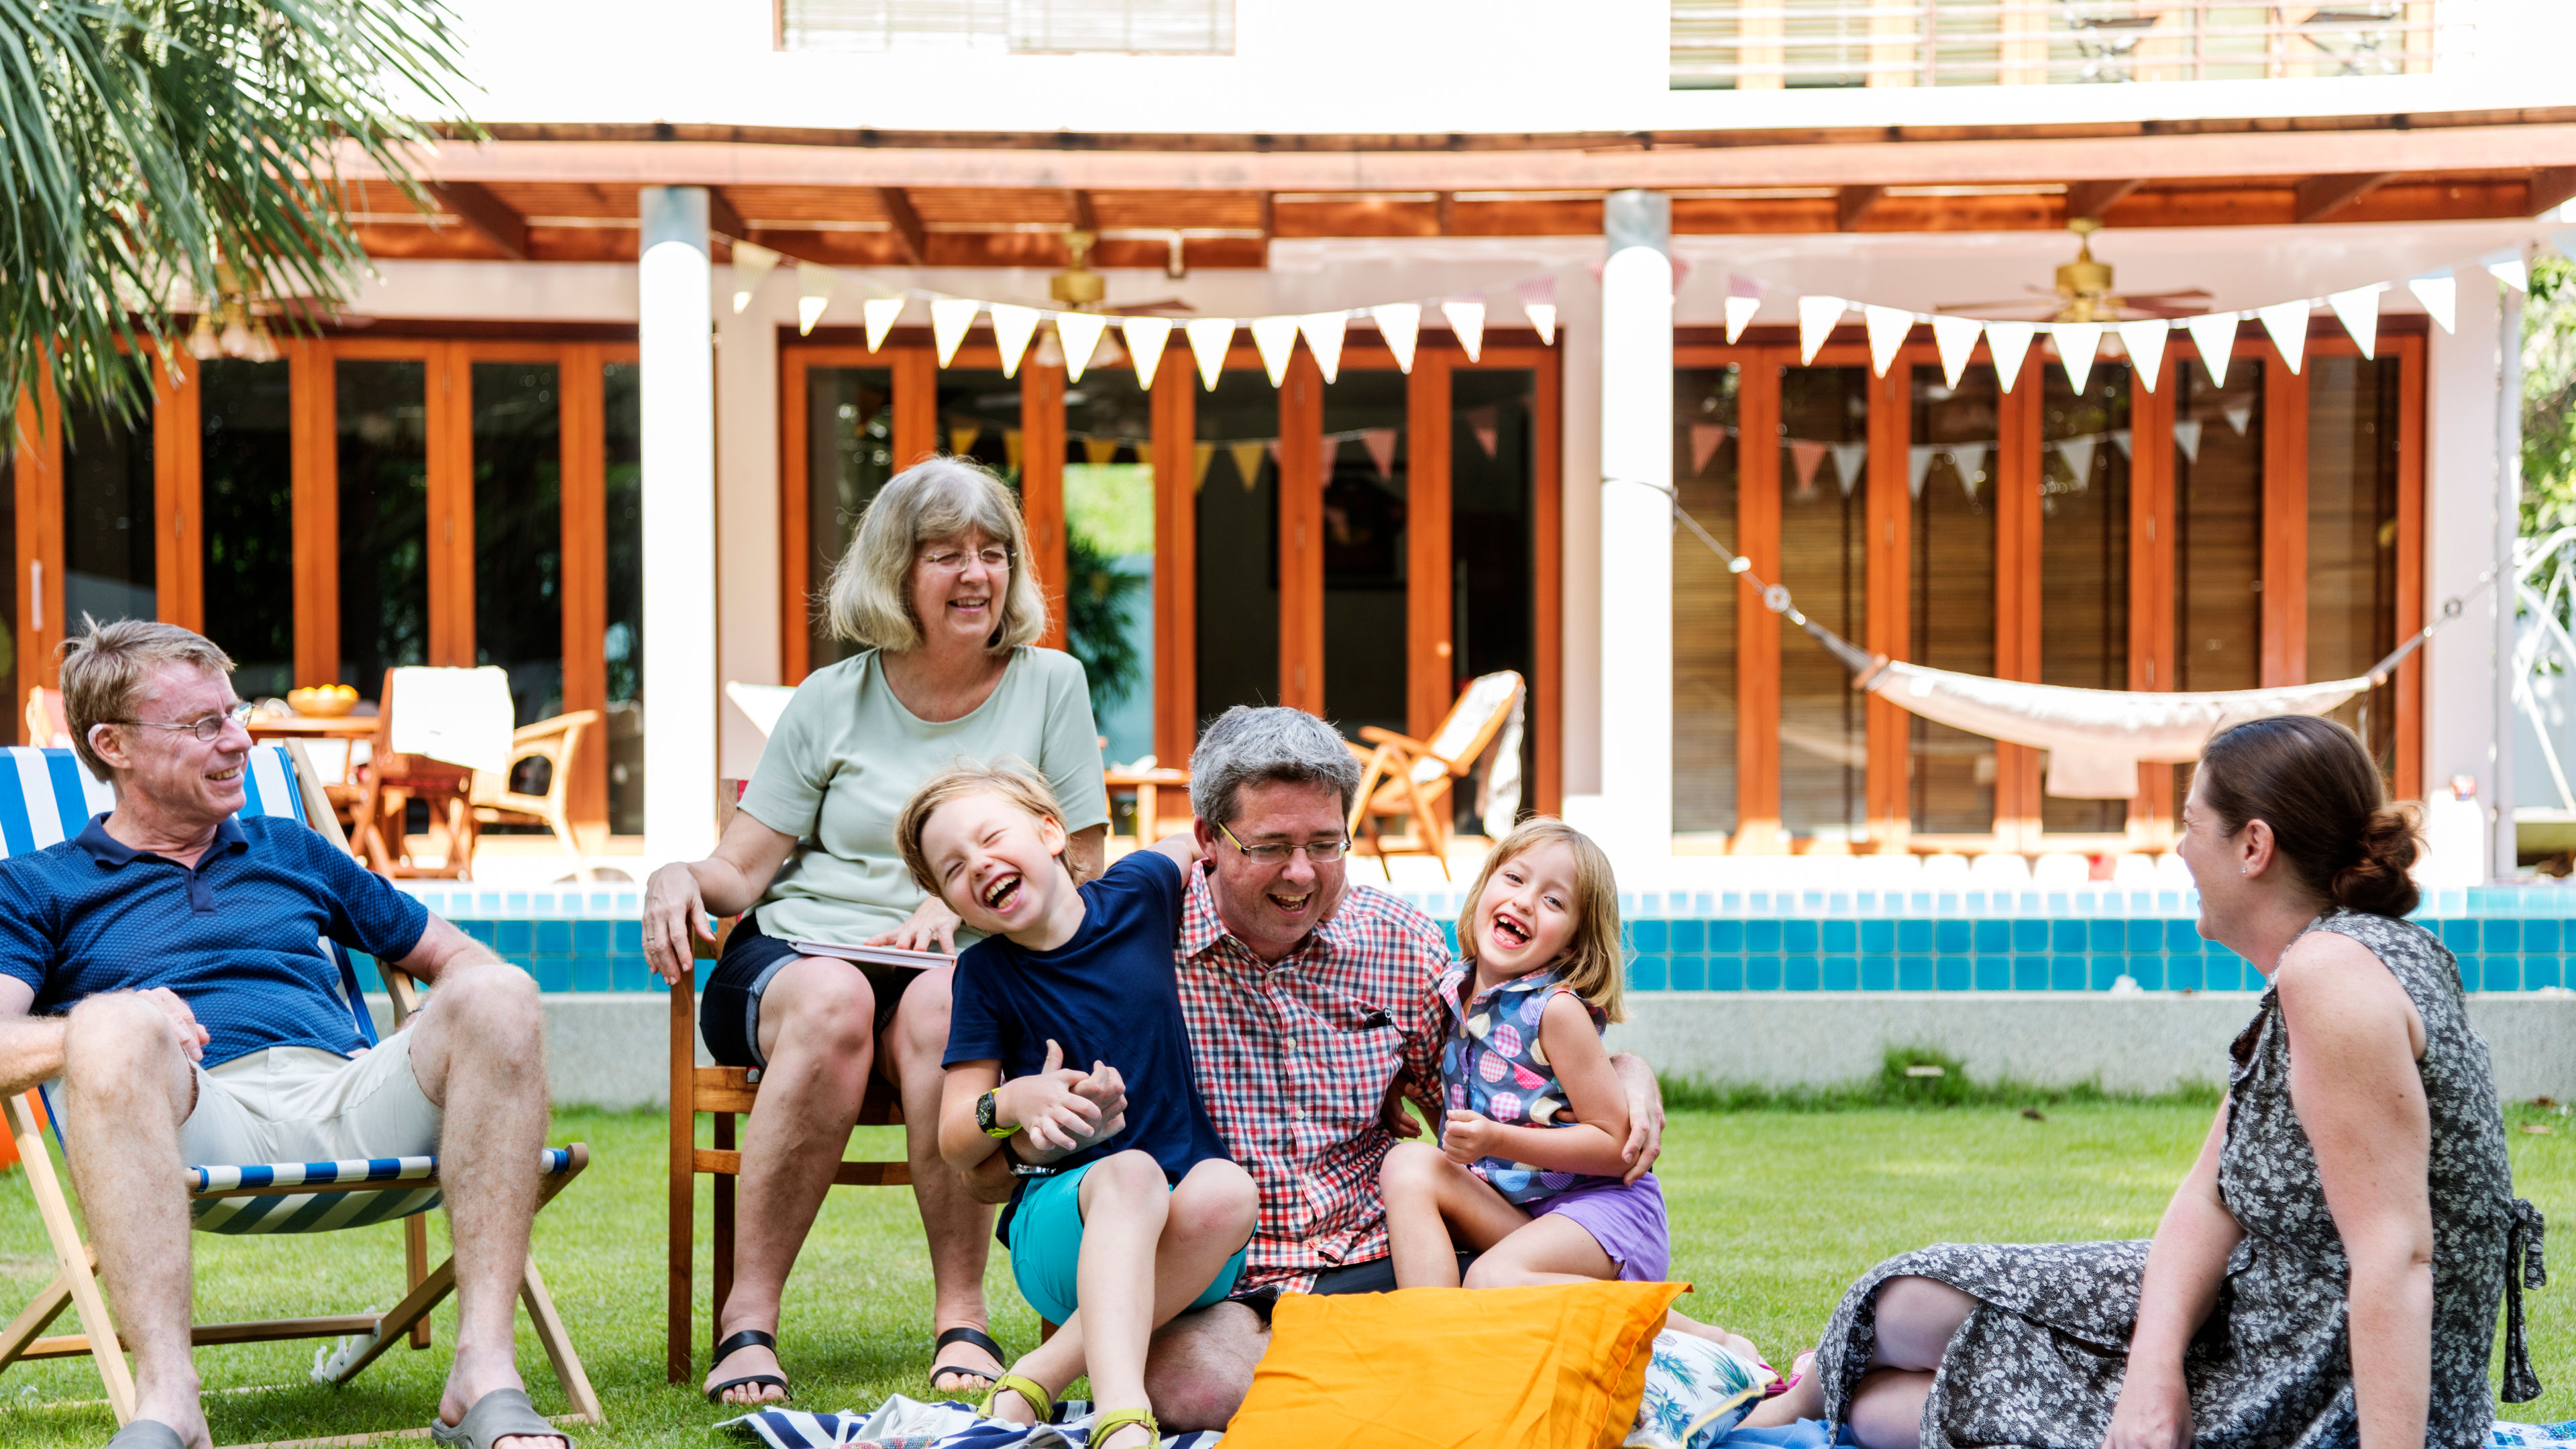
{"type": "Point", "coordinates": [1318, 852]}
{"type": "Point", "coordinates": [955, 560]}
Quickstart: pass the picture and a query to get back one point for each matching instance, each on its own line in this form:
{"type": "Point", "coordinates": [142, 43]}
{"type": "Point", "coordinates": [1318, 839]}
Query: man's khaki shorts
{"type": "Point", "coordinates": [303, 1104]}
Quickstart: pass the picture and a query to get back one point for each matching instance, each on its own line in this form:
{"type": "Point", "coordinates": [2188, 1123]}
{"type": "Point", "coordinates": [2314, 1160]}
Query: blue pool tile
{"type": "Point", "coordinates": [1799, 936]}
{"type": "Point", "coordinates": [590, 973]}
{"type": "Point", "coordinates": [2502, 973]}
{"type": "Point", "coordinates": [1651, 936]}
{"type": "Point", "coordinates": [2143, 936]}
{"type": "Point", "coordinates": [2501, 935]}
{"type": "Point", "coordinates": [2029, 973]}
{"type": "Point", "coordinates": [2182, 938]}
{"type": "Point", "coordinates": [1914, 973]}
{"type": "Point", "coordinates": [1954, 973]}
{"type": "Point", "coordinates": [2226, 972]}
{"type": "Point", "coordinates": [629, 937]}
{"type": "Point", "coordinates": [1449, 933]}
{"type": "Point", "coordinates": [1812, 901]}
{"type": "Point", "coordinates": [2461, 935]}
{"type": "Point", "coordinates": [1761, 973]}
{"type": "Point", "coordinates": [2540, 936]}
{"type": "Point", "coordinates": [1762, 935]}
{"type": "Point", "coordinates": [2106, 935]}
{"type": "Point", "coordinates": [514, 939]}
{"type": "Point", "coordinates": [1994, 973]}
{"type": "Point", "coordinates": [1952, 937]}
{"type": "Point", "coordinates": [2149, 971]}
{"type": "Point", "coordinates": [2540, 971]}
{"type": "Point", "coordinates": [1690, 936]}
{"type": "Point", "coordinates": [2185, 973]}
{"type": "Point", "coordinates": [1842, 935]}
{"type": "Point", "coordinates": [1838, 903]}
{"type": "Point", "coordinates": [1878, 973]}
{"type": "Point", "coordinates": [1725, 935]}
{"type": "Point", "coordinates": [552, 938]}
{"type": "Point", "coordinates": [2105, 971]}
{"type": "Point", "coordinates": [1645, 973]}
{"type": "Point", "coordinates": [2066, 935]}
{"type": "Point", "coordinates": [629, 973]}
{"type": "Point", "coordinates": [1975, 905]}
{"type": "Point", "coordinates": [2058, 904]}
{"type": "Point", "coordinates": [594, 938]}
{"type": "Point", "coordinates": [555, 975]}
{"type": "Point", "coordinates": [479, 930]}
{"type": "Point", "coordinates": [1688, 973]}
{"type": "Point", "coordinates": [2030, 935]}
{"type": "Point", "coordinates": [1994, 935]}
{"type": "Point", "coordinates": [1945, 903]}
{"type": "Point", "coordinates": [1878, 936]}
{"type": "Point", "coordinates": [1726, 973]}
{"type": "Point", "coordinates": [1914, 937]}
{"type": "Point", "coordinates": [1922, 901]}
{"type": "Point", "coordinates": [1842, 973]}
{"type": "Point", "coordinates": [1803, 973]}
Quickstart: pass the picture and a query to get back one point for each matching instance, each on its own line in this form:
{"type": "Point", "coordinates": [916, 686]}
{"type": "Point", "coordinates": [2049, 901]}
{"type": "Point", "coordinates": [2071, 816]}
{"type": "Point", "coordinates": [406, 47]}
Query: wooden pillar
{"type": "Point", "coordinates": [39, 469]}
{"type": "Point", "coordinates": [2409, 784]}
{"type": "Point", "coordinates": [179, 557]}
{"type": "Point", "coordinates": [1889, 520]}
{"type": "Point", "coordinates": [2151, 583]}
{"type": "Point", "coordinates": [449, 378]}
{"type": "Point", "coordinates": [314, 440]}
{"type": "Point", "coordinates": [1042, 485]}
{"type": "Point", "coordinates": [1431, 670]}
{"type": "Point", "coordinates": [916, 405]}
{"type": "Point", "coordinates": [2285, 526]}
{"type": "Point", "coordinates": [796, 581]}
{"type": "Point", "coordinates": [2017, 480]}
{"type": "Point", "coordinates": [1176, 544]}
{"type": "Point", "coordinates": [1546, 713]}
{"type": "Point", "coordinates": [1301, 536]}
{"type": "Point", "coordinates": [1757, 629]}
{"type": "Point", "coordinates": [582, 425]}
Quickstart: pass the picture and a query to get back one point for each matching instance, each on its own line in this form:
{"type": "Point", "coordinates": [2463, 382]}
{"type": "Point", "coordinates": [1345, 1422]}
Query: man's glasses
{"type": "Point", "coordinates": [955, 560]}
{"type": "Point", "coordinates": [206, 730]}
{"type": "Point", "coordinates": [1318, 852]}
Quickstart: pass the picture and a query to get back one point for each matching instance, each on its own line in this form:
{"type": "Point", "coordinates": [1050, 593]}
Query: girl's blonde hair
{"type": "Point", "coordinates": [1591, 961]}
{"type": "Point", "coordinates": [1016, 786]}
{"type": "Point", "coordinates": [868, 600]}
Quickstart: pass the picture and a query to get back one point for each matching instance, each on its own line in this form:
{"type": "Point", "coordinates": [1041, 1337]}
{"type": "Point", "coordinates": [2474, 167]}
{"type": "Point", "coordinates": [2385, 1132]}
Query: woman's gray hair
{"type": "Point", "coordinates": [1262, 746]}
{"type": "Point", "coordinates": [868, 599]}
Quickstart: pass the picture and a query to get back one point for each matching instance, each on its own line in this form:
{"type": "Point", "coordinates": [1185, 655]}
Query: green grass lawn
{"type": "Point", "coordinates": [1775, 1212]}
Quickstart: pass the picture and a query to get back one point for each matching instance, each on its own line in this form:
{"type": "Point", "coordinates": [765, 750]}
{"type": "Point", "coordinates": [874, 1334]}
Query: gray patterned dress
{"type": "Point", "coordinates": [2040, 1360]}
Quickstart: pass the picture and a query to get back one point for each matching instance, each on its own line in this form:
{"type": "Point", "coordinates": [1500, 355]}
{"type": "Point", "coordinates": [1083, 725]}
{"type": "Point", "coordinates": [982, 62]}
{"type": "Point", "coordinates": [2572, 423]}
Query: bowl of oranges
{"type": "Point", "coordinates": [323, 701]}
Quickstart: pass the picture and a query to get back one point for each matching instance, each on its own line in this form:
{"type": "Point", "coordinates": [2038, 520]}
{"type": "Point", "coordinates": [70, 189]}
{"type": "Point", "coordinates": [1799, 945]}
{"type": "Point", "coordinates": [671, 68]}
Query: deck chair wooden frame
{"type": "Point", "coordinates": [1393, 784]}
{"type": "Point", "coordinates": [366, 1336]}
{"type": "Point", "coordinates": [555, 741]}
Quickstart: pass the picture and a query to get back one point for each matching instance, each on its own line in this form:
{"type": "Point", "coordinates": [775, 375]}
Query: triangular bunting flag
{"type": "Point", "coordinates": [1807, 456]}
{"type": "Point", "coordinates": [1145, 338]}
{"type": "Point", "coordinates": [2239, 416]}
{"type": "Point", "coordinates": [751, 264]}
{"type": "Point", "coordinates": [2440, 294]}
{"type": "Point", "coordinates": [1097, 451]}
{"type": "Point", "coordinates": [1957, 339]}
{"type": "Point", "coordinates": [2145, 344]}
{"type": "Point", "coordinates": [880, 313]}
{"type": "Point", "coordinates": [1324, 339]}
{"type": "Point", "coordinates": [1201, 455]}
{"type": "Point", "coordinates": [949, 319]}
{"type": "Point", "coordinates": [2288, 324]}
{"type": "Point", "coordinates": [2077, 343]}
{"type": "Point", "coordinates": [1277, 339]}
{"type": "Point", "coordinates": [2358, 310]}
{"type": "Point", "coordinates": [961, 439]}
{"type": "Point", "coordinates": [2214, 338]}
{"type": "Point", "coordinates": [1467, 318]}
{"type": "Point", "coordinates": [1704, 441]}
{"type": "Point", "coordinates": [1247, 459]}
{"type": "Point", "coordinates": [2078, 453]}
{"type": "Point", "coordinates": [1209, 338]}
{"type": "Point", "coordinates": [1918, 461]}
{"type": "Point", "coordinates": [1816, 319]}
{"type": "Point", "coordinates": [2120, 439]}
{"type": "Point", "coordinates": [2007, 343]}
{"type": "Point", "coordinates": [1380, 443]}
{"type": "Point", "coordinates": [2509, 268]}
{"type": "Point", "coordinates": [2187, 437]}
{"type": "Point", "coordinates": [1743, 299]}
{"type": "Point", "coordinates": [1486, 423]}
{"type": "Point", "coordinates": [1011, 451]}
{"type": "Point", "coordinates": [813, 294]}
{"type": "Point", "coordinates": [1012, 328]}
{"type": "Point", "coordinates": [1887, 328]}
{"type": "Point", "coordinates": [1849, 460]}
{"type": "Point", "coordinates": [1079, 332]}
{"type": "Point", "coordinates": [1538, 303]}
{"type": "Point", "coordinates": [1399, 323]}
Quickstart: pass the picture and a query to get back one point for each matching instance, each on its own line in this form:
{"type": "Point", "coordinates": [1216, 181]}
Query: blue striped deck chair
{"type": "Point", "coordinates": [47, 797]}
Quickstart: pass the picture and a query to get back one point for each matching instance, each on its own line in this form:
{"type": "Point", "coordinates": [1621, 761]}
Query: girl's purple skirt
{"type": "Point", "coordinates": [1626, 1219]}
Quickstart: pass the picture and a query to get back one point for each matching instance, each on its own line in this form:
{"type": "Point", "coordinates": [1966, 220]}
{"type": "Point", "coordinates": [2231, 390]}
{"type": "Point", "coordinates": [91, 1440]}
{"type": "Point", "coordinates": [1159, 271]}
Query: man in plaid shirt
{"type": "Point", "coordinates": [1311, 1018]}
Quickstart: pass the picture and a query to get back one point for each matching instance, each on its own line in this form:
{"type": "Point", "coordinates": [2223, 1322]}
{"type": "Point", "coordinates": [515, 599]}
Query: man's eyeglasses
{"type": "Point", "coordinates": [1318, 852]}
{"type": "Point", "coordinates": [206, 730]}
{"type": "Point", "coordinates": [955, 560]}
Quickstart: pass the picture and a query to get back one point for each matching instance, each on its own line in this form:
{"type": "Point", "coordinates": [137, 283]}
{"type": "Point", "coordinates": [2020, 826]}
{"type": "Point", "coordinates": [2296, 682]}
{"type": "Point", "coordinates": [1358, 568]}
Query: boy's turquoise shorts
{"type": "Point", "coordinates": [1046, 1248]}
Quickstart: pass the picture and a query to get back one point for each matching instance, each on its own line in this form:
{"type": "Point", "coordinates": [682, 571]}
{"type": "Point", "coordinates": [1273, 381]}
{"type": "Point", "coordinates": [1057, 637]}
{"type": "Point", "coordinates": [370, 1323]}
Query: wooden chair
{"type": "Point", "coordinates": [262, 1197]}
{"type": "Point", "coordinates": [556, 741]}
{"type": "Point", "coordinates": [1403, 776]}
{"type": "Point", "coordinates": [388, 783]}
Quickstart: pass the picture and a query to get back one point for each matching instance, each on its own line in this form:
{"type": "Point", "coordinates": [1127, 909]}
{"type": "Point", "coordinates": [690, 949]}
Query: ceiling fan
{"type": "Point", "coordinates": [2083, 293]}
{"type": "Point", "coordinates": [1078, 288]}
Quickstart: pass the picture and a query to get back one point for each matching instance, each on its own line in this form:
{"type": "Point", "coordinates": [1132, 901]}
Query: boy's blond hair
{"type": "Point", "coordinates": [1591, 961]}
{"type": "Point", "coordinates": [1018, 786]}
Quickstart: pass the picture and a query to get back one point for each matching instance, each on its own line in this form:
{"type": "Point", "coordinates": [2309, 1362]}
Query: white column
{"type": "Point", "coordinates": [1636, 524]}
{"type": "Point", "coordinates": [1578, 324]}
{"type": "Point", "coordinates": [2502, 853]}
{"type": "Point", "coordinates": [2461, 397]}
{"type": "Point", "coordinates": [674, 320]}
{"type": "Point", "coordinates": [747, 522]}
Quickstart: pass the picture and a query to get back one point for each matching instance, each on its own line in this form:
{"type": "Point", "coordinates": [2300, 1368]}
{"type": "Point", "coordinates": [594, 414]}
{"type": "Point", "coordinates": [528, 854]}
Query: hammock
{"type": "Point", "coordinates": [2095, 738]}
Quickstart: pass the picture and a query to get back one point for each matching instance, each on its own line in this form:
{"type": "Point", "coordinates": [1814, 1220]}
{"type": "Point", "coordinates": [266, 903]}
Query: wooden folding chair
{"type": "Point", "coordinates": [389, 783]}
{"type": "Point", "coordinates": [555, 741]}
{"type": "Point", "coordinates": [251, 1198]}
{"type": "Point", "coordinates": [1403, 776]}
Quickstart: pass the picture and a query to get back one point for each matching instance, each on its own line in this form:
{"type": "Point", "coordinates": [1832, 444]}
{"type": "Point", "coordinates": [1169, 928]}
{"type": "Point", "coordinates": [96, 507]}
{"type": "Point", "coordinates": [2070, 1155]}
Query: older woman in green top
{"type": "Point", "coordinates": [937, 588]}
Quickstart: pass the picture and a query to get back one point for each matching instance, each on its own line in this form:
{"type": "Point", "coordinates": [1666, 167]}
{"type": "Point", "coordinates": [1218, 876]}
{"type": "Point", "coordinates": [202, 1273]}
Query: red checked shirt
{"type": "Point", "coordinates": [1294, 1060]}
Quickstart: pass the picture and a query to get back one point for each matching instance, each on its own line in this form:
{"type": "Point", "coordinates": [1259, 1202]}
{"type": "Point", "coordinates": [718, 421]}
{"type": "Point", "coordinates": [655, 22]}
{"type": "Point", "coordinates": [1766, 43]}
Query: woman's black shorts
{"type": "Point", "coordinates": [729, 1008]}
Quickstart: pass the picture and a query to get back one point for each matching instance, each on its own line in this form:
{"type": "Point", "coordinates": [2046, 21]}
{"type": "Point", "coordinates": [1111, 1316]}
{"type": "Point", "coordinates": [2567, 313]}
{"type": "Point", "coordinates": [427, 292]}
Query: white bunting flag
{"type": "Point", "coordinates": [2509, 268]}
{"type": "Point", "coordinates": [2239, 417]}
{"type": "Point", "coordinates": [1918, 461]}
{"type": "Point", "coordinates": [1816, 319]}
{"type": "Point", "coordinates": [2187, 437]}
{"type": "Point", "coordinates": [1538, 303]}
{"type": "Point", "coordinates": [2145, 342]}
{"type": "Point", "coordinates": [1467, 318]}
{"type": "Point", "coordinates": [2214, 337]}
{"type": "Point", "coordinates": [1277, 339]}
{"type": "Point", "coordinates": [1849, 461]}
{"type": "Point", "coordinates": [1209, 338]}
{"type": "Point", "coordinates": [751, 265]}
{"type": "Point", "coordinates": [1888, 327]}
{"type": "Point", "coordinates": [2439, 292]}
{"type": "Point", "coordinates": [2007, 342]}
{"type": "Point", "coordinates": [2120, 440]}
{"type": "Point", "coordinates": [949, 319]}
{"type": "Point", "coordinates": [1399, 323]}
{"type": "Point", "coordinates": [2358, 310]}
{"type": "Point", "coordinates": [1080, 334]}
{"type": "Point", "coordinates": [1743, 299]}
{"type": "Point", "coordinates": [1323, 332]}
{"type": "Point", "coordinates": [880, 313]}
{"type": "Point", "coordinates": [1145, 339]}
{"type": "Point", "coordinates": [1013, 326]}
{"type": "Point", "coordinates": [813, 294]}
{"type": "Point", "coordinates": [2077, 343]}
{"type": "Point", "coordinates": [2078, 453]}
{"type": "Point", "coordinates": [1957, 339]}
{"type": "Point", "coordinates": [2288, 324]}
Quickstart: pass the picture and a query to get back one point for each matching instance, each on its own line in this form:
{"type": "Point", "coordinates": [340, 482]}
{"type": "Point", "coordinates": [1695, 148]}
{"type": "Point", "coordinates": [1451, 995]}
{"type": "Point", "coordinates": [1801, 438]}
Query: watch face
{"type": "Point", "coordinates": [984, 1111]}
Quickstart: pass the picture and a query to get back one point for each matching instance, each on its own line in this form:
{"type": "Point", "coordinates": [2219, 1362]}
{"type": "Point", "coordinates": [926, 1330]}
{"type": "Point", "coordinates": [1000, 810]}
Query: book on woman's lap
{"type": "Point", "coordinates": [873, 955]}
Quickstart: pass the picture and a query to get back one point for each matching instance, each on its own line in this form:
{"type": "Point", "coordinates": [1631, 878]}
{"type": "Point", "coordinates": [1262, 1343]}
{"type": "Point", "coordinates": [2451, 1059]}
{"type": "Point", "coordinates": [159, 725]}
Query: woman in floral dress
{"type": "Point", "coordinates": [2331, 1268]}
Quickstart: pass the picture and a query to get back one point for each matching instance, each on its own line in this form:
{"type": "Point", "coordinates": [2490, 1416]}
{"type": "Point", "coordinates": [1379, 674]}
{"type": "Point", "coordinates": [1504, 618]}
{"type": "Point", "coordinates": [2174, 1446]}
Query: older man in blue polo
{"type": "Point", "coordinates": [164, 964]}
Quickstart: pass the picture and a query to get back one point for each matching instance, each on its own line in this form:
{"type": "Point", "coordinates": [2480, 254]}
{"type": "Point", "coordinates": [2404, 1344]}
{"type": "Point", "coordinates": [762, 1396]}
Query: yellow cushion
{"type": "Point", "coordinates": [1561, 1366]}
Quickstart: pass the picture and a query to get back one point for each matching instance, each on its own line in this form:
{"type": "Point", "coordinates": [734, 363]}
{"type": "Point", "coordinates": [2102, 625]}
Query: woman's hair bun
{"type": "Point", "coordinates": [2377, 881]}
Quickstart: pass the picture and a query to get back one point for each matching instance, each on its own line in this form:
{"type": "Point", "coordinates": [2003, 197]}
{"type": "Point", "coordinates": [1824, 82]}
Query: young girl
{"type": "Point", "coordinates": [1125, 1208]}
{"type": "Point", "coordinates": [1528, 1170]}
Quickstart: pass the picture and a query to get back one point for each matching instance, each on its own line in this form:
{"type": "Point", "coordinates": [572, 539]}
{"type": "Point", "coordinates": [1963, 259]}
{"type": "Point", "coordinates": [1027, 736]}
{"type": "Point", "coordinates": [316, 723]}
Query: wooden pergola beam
{"type": "Point", "coordinates": [2551, 186]}
{"type": "Point", "coordinates": [1086, 213]}
{"type": "Point", "coordinates": [908, 230]}
{"type": "Point", "coordinates": [486, 215]}
{"type": "Point", "coordinates": [2322, 196]}
{"type": "Point", "coordinates": [723, 217]}
{"type": "Point", "coordinates": [2092, 198]}
{"type": "Point", "coordinates": [1852, 204]}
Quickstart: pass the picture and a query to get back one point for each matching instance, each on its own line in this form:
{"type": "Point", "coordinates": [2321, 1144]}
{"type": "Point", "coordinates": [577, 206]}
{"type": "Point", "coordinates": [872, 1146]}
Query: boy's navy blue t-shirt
{"type": "Point", "coordinates": [1108, 995]}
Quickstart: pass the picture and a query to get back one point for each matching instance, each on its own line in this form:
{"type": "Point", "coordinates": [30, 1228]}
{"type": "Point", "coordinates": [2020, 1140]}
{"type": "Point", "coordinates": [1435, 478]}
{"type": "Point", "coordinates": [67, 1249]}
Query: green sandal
{"type": "Point", "coordinates": [1117, 1419]}
{"type": "Point", "coordinates": [1030, 1390]}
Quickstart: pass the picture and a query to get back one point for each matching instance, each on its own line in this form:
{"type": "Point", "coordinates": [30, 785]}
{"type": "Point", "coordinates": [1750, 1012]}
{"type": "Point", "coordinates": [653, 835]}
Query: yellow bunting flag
{"type": "Point", "coordinates": [961, 440]}
{"type": "Point", "coordinates": [1099, 450]}
{"type": "Point", "coordinates": [1201, 454]}
{"type": "Point", "coordinates": [1247, 460]}
{"type": "Point", "coordinates": [1011, 450]}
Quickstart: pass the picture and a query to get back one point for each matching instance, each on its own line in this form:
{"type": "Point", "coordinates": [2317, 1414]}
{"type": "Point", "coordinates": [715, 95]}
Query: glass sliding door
{"type": "Point", "coordinates": [246, 507]}
{"type": "Point", "coordinates": [1824, 501]}
{"type": "Point", "coordinates": [1705, 454]}
{"type": "Point", "coordinates": [623, 645]}
{"type": "Point", "coordinates": [1952, 461]}
{"type": "Point", "coordinates": [2218, 532]}
{"type": "Point", "coordinates": [849, 445]}
{"type": "Point", "coordinates": [2352, 536]}
{"type": "Point", "coordinates": [1366, 471]}
{"type": "Point", "coordinates": [979, 418]}
{"type": "Point", "coordinates": [518, 531]}
{"type": "Point", "coordinates": [1109, 553]}
{"type": "Point", "coordinates": [383, 428]}
{"type": "Point", "coordinates": [1238, 543]}
{"type": "Point", "coordinates": [109, 560]}
{"type": "Point", "coordinates": [1493, 542]}
{"type": "Point", "coordinates": [2084, 557]}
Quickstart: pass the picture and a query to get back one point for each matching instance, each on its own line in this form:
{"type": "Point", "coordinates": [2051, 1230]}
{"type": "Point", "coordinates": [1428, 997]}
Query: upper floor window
{"type": "Point", "coordinates": [1010, 27]}
{"type": "Point", "coordinates": [1814, 44]}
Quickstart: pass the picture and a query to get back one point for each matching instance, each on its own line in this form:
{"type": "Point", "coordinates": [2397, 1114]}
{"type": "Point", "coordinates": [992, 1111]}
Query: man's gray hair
{"type": "Point", "coordinates": [106, 667]}
{"type": "Point", "coordinates": [1266, 745]}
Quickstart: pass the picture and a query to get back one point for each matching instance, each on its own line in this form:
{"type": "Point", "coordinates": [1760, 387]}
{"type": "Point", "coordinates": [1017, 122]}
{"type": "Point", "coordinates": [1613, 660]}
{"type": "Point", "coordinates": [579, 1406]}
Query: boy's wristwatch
{"type": "Point", "coordinates": [984, 1112]}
